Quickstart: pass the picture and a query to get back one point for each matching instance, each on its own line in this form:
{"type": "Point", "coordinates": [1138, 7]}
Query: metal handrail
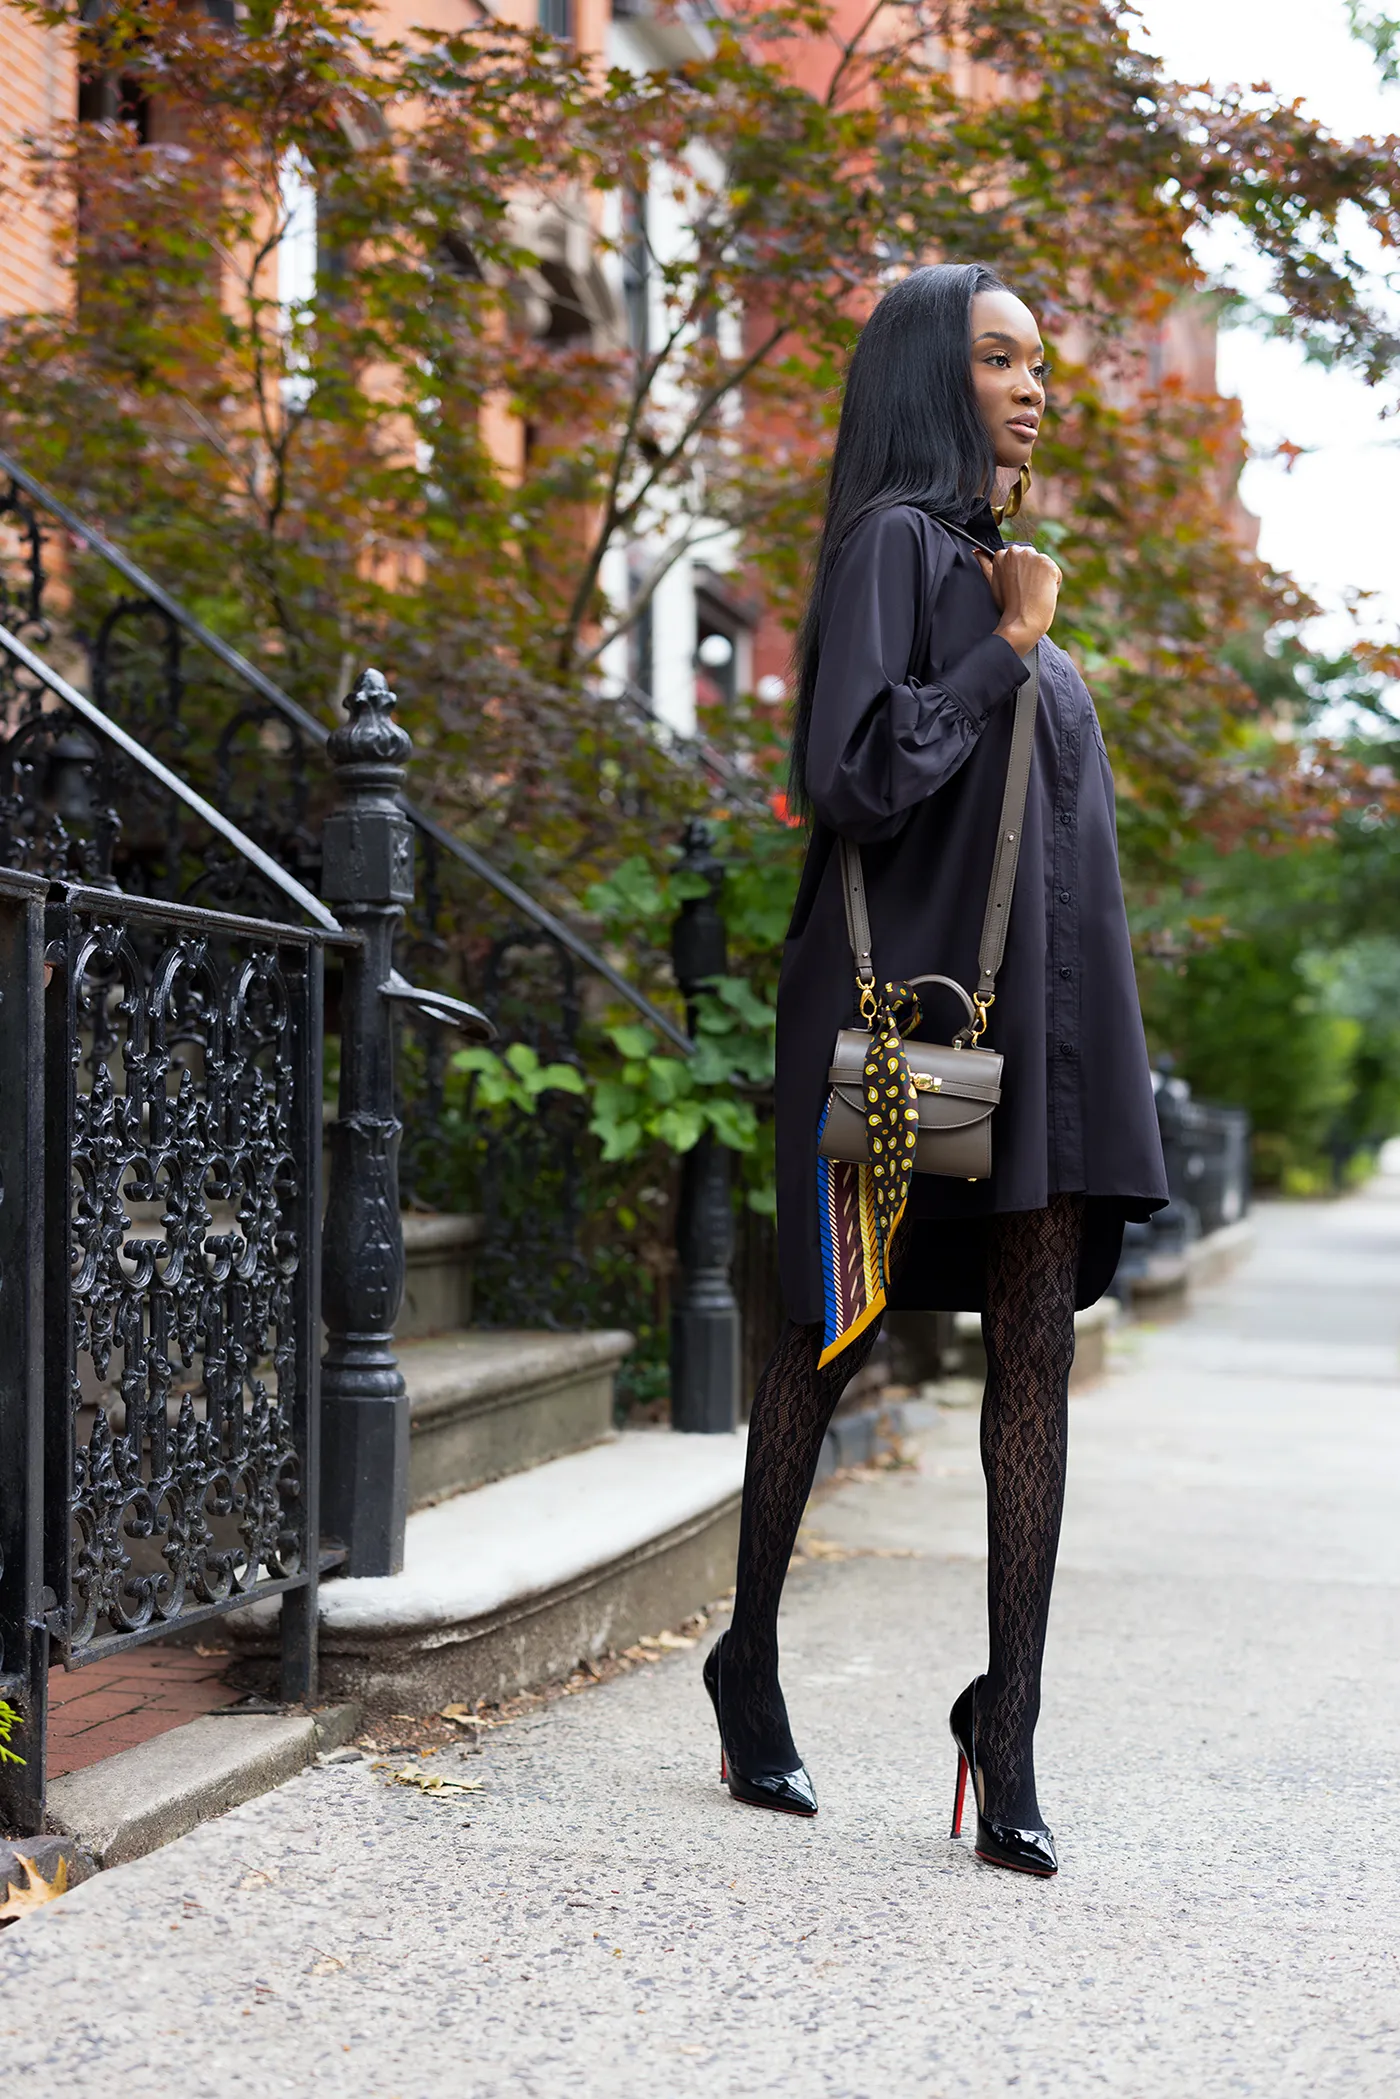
{"type": "Point", "coordinates": [285, 705]}
{"type": "Point", "coordinates": [294, 891]}
{"type": "Point", "coordinates": [688, 753]}
{"type": "Point", "coordinates": [434, 1005]}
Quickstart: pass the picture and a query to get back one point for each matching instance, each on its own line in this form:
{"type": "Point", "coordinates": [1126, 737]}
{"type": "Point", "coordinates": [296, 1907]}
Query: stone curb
{"type": "Point", "coordinates": [134, 1802]}
{"type": "Point", "coordinates": [859, 1438]}
{"type": "Point", "coordinates": [1092, 1328]}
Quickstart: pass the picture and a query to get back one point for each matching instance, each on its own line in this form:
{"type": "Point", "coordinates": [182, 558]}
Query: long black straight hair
{"type": "Point", "coordinates": [910, 432]}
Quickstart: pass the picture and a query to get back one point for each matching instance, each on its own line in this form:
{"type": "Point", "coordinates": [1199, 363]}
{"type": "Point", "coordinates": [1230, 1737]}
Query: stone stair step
{"type": "Point", "coordinates": [487, 1403]}
{"type": "Point", "coordinates": [438, 1255]}
{"type": "Point", "coordinates": [516, 1583]}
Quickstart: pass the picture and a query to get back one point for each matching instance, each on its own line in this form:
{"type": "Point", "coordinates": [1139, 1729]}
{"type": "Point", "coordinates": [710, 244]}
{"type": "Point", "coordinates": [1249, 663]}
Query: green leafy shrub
{"type": "Point", "coordinates": [9, 1721]}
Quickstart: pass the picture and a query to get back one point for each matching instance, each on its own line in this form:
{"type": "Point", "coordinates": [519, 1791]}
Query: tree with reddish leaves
{"type": "Point", "coordinates": [404, 466]}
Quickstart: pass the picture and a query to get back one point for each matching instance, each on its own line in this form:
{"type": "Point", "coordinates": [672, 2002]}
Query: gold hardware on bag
{"type": "Point", "coordinates": [923, 1083]}
{"type": "Point", "coordinates": [982, 1004]}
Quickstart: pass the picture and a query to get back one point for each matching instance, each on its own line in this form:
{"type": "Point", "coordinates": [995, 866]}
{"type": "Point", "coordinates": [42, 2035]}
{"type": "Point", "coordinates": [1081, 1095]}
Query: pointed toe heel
{"type": "Point", "coordinates": [998, 1844]}
{"type": "Point", "coordinates": [787, 1792]}
{"type": "Point", "coordinates": [1020, 1850]}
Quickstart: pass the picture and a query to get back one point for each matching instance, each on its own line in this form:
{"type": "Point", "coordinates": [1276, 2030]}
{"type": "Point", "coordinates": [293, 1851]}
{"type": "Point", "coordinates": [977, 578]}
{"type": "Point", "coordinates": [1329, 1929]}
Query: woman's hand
{"type": "Point", "coordinates": [1026, 586]}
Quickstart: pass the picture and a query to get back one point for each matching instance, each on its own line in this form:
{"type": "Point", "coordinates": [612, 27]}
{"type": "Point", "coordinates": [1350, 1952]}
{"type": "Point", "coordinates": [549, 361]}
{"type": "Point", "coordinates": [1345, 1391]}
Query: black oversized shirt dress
{"type": "Point", "coordinates": [909, 741]}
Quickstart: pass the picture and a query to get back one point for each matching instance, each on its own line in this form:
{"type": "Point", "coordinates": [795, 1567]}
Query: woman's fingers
{"type": "Point", "coordinates": [1030, 588]}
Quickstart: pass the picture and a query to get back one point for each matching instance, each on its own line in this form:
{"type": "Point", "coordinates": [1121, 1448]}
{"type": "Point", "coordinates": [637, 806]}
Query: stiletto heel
{"type": "Point", "coordinates": [958, 1797]}
{"type": "Point", "coordinates": [998, 1844]}
{"type": "Point", "coordinates": [790, 1792]}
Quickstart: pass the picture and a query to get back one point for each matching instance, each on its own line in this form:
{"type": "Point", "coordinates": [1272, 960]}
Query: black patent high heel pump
{"type": "Point", "coordinates": [998, 1844]}
{"type": "Point", "coordinates": [790, 1792]}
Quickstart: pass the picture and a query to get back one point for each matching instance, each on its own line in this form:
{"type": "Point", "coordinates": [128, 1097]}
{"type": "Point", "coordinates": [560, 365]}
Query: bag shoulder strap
{"type": "Point", "coordinates": [1013, 814]}
{"type": "Point", "coordinates": [1004, 861]}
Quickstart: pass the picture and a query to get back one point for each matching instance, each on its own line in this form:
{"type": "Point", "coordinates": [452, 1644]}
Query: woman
{"type": "Point", "coordinates": [914, 646]}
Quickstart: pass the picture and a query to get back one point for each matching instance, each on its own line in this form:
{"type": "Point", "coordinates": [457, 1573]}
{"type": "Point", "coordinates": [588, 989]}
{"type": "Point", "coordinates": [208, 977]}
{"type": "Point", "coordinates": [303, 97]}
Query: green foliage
{"type": "Point", "coordinates": [1246, 1026]}
{"type": "Point", "coordinates": [515, 1079]}
{"type": "Point", "coordinates": [1381, 32]}
{"type": "Point", "coordinates": [1274, 978]}
{"type": "Point", "coordinates": [9, 1721]}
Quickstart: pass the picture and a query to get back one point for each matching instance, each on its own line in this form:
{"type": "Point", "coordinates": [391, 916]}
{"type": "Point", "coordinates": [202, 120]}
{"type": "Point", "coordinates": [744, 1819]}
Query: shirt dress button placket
{"type": "Point", "coordinates": [1065, 1163]}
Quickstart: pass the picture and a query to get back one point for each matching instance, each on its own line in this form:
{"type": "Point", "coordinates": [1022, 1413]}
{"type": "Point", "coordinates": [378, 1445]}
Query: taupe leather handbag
{"type": "Point", "coordinates": [957, 1085]}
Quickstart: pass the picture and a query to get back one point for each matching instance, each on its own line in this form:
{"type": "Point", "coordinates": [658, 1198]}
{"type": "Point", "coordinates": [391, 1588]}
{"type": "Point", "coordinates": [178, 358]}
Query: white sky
{"type": "Point", "coordinates": [1334, 520]}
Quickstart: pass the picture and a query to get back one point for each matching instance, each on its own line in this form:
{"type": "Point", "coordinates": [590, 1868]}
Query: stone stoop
{"type": "Point", "coordinates": [438, 1253]}
{"type": "Point", "coordinates": [515, 1583]}
{"type": "Point", "coordinates": [486, 1403]}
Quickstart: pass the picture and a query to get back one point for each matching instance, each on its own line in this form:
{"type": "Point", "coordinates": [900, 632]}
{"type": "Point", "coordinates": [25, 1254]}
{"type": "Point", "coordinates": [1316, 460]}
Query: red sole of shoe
{"type": "Point", "coordinates": [959, 1797]}
{"type": "Point", "coordinates": [1031, 1872]}
{"type": "Point", "coordinates": [803, 1814]}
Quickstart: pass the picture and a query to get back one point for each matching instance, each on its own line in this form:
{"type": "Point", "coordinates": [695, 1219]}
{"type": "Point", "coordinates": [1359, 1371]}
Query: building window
{"type": "Point", "coordinates": [636, 269]}
{"type": "Point", "coordinates": [641, 635]}
{"type": "Point", "coordinates": [724, 624]}
{"type": "Point", "coordinates": [716, 665]}
{"type": "Point", "coordinates": [557, 19]}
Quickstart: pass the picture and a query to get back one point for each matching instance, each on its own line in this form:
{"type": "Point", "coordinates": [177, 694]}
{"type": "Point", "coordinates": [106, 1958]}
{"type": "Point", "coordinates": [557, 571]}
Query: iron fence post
{"type": "Point", "coordinates": [705, 1316]}
{"type": "Point", "coordinates": [24, 1635]}
{"type": "Point", "coordinates": [368, 876]}
{"type": "Point", "coordinates": [299, 1660]}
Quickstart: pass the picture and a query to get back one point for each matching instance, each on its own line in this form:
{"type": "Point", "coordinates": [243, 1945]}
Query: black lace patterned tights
{"type": "Point", "coordinates": [792, 1406]}
{"type": "Point", "coordinates": [1029, 1330]}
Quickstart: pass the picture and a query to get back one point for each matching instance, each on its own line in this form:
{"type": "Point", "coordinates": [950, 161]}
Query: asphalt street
{"type": "Point", "coordinates": [1218, 1758]}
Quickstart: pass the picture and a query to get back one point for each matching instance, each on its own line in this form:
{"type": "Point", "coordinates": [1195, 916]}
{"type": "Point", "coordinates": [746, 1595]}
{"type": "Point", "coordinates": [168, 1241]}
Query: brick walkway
{"type": "Point", "coordinates": [113, 1705]}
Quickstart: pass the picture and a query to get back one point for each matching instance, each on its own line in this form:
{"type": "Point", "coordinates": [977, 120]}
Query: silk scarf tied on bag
{"type": "Point", "coordinates": [859, 1208]}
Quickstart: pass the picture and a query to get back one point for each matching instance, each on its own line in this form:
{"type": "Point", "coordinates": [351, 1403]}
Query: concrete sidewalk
{"type": "Point", "coordinates": [1219, 1757]}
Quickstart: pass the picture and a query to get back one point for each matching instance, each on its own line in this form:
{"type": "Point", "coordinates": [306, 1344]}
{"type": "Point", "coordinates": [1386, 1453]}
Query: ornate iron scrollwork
{"type": "Point", "coordinates": [531, 1270]}
{"type": "Point", "coordinates": [186, 1119]}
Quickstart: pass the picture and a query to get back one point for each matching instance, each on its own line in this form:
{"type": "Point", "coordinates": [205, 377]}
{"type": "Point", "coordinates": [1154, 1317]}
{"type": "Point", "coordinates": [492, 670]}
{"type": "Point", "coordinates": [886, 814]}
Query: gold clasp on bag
{"type": "Point", "coordinates": [924, 1083]}
{"type": "Point", "coordinates": [982, 1005]}
{"type": "Point", "coordinates": [869, 1003]}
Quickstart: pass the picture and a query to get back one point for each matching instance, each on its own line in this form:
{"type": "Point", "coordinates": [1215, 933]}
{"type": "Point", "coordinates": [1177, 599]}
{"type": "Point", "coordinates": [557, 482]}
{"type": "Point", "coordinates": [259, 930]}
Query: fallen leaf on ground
{"type": "Point", "coordinates": [20, 1901]}
{"type": "Point", "coordinates": [823, 1549]}
{"type": "Point", "coordinates": [641, 1654]}
{"type": "Point", "coordinates": [260, 1877]}
{"type": "Point", "coordinates": [209, 1652]}
{"type": "Point", "coordinates": [809, 1548]}
{"type": "Point", "coordinates": [430, 1781]}
{"type": "Point", "coordinates": [328, 1964]}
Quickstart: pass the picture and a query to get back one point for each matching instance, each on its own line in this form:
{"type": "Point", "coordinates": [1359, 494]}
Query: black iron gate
{"type": "Point", "coordinates": [160, 1137]}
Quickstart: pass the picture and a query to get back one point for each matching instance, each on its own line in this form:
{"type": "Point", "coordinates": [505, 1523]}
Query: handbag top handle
{"type": "Point", "coordinates": [1008, 852]}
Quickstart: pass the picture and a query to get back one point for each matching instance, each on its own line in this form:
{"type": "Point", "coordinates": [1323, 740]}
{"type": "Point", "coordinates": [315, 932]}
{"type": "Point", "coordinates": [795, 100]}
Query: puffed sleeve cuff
{"type": "Point", "coordinates": [988, 674]}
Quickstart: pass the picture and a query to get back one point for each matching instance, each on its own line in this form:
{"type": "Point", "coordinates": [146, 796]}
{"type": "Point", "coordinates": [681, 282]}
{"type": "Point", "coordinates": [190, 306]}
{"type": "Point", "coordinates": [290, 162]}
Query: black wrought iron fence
{"type": "Point", "coordinates": [549, 1204]}
{"type": "Point", "coordinates": [183, 1155]}
{"type": "Point", "coordinates": [255, 756]}
{"type": "Point", "coordinates": [161, 1228]}
{"type": "Point", "coordinates": [160, 1125]}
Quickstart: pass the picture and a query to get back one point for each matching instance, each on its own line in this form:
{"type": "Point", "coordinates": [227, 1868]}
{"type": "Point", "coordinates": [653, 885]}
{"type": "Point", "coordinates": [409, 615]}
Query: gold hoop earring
{"type": "Point", "coordinates": [1015, 497]}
